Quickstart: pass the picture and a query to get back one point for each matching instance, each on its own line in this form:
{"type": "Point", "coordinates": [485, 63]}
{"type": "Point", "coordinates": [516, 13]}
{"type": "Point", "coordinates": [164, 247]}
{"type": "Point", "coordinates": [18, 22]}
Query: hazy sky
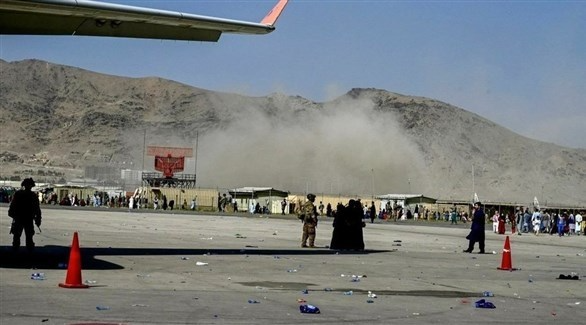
{"type": "Point", "coordinates": [521, 64]}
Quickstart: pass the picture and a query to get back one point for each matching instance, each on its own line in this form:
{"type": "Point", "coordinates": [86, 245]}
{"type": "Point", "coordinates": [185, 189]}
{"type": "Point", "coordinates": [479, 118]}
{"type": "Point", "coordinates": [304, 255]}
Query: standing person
{"type": "Point", "coordinates": [308, 214]}
{"type": "Point", "coordinates": [571, 224]}
{"type": "Point", "coordinates": [156, 203]}
{"type": "Point", "coordinates": [341, 224]}
{"type": "Point", "coordinates": [321, 208]}
{"type": "Point", "coordinates": [329, 210]}
{"type": "Point", "coordinates": [536, 222]}
{"type": "Point", "coordinates": [454, 217]}
{"type": "Point", "coordinates": [513, 223]}
{"type": "Point", "coordinates": [476, 229]}
{"type": "Point", "coordinates": [356, 236]}
{"type": "Point", "coordinates": [372, 212]}
{"type": "Point", "coordinates": [283, 206]}
{"type": "Point", "coordinates": [579, 226]}
{"type": "Point", "coordinates": [165, 202]}
{"type": "Point", "coordinates": [502, 221]}
{"type": "Point", "coordinates": [24, 210]}
{"type": "Point", "coordinates": [495, 222]}
{"type": "Point", "coordinates": [546, 219]}
{"type": "Point", "coordinates": [562, 224]}
{"type": "Point", "coordinates": [526, 220]}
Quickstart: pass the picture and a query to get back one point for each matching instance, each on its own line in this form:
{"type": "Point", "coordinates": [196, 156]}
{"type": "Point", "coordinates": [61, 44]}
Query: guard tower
{"type": "Point", "coordinates": [169, 161]}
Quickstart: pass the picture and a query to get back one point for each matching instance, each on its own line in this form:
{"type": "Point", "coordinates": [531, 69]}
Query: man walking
{"type": "Point", "coordinates": [476, 229]}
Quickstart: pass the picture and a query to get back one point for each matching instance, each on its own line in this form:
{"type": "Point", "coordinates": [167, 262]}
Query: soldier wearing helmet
{"type": "Point", "coordinates": [24, 210]}
{"type": "Point", "coordinates": [308, 214]}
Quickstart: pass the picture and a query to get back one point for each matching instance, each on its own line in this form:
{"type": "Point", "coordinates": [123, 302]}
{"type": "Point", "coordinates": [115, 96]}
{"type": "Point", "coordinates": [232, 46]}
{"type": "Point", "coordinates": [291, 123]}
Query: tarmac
{"type": "Point", "coordinates": [155, 267]}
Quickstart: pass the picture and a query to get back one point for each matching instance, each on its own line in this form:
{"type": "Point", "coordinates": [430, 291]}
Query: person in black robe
{"type": "Point", "coordinates": [340, 233]}
{"type": "Point", "coordinates": [356, 236]}
{"type": "Point", "coordinates": [476, 229]}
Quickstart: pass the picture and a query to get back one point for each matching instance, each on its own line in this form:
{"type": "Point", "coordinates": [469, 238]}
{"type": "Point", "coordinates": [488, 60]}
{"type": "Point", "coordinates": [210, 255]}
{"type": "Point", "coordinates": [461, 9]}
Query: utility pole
{"type": "Point", "coordinates": [372, 172]}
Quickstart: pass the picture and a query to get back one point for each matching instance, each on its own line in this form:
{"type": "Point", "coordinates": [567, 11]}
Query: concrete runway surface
{"type": "Point", "coordinates": [177, 268]}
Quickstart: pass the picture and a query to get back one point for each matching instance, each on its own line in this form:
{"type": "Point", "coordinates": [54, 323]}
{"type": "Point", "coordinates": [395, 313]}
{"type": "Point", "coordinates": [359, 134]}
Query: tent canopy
{"type": "Point", "coordinates": [407, 198]}
{"type": "Point", "coordinates": [256, 192]}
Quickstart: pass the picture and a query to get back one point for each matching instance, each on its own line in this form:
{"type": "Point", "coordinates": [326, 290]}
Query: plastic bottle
{"type": "Point", "coordinates": [309, 309]}
{"type": "Point", "coordinates": [38, 276]}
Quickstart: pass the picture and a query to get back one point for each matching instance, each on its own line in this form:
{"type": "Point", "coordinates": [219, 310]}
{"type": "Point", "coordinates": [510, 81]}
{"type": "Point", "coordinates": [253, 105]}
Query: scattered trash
{"type": "Point", "coordinates": [239, 236]}
{"type": "Point", "coordinates": [574, 303]}
{"type": "Point", "coordinates": [44, 320]}
{"type": "Point", "coordinates": [356, 278]}
{"type": "Point", "coordinates": [487, 294]}
{"type": "Point", "coordinates": [184, 258]}
{"type": "Point", "coordinates": [328, 289]}
{"type": "Point", "coordinates": [251, 246]}
{"type": "Point", "coordinates": [90, 282]}
{"type": "Point", "coordinates": [38, 276]}
{"type": "Point", "coordinates": [301, 301]}
{"type": "Point", "coordinates": [304, 291]}
{"type": "Point", "coordinates": [275, 233]}
{"type": "Point", "coordinates": [484, 304]}
{"type": "Point", "coordinates": [371, 295]}
{"type": "Point", "coordinates": [252, 301]}
{"type": "Point", "coordinates": [102, 308]}
{"type": "Point", "coordinates": [201, 263]}
{"type": "Point", "coordinates": [370, 301]}
{"type": "Point", "coordinates": [309, 309]}
{"type": "Point", "coordinates": [143, 275]}
{"type": "Point", "coordinates": [530, 278]}
{"type": "Point", "coordinates": [348, 293]}
{"type": "Point", "coordinates": [397, 241]}
{"type": "Point", "coordinates": [568, 277]}
{"type": "Point", "coordinates": [416, 314]}
{"type": "Point", "coordinates": [139, 305]}
{"type": "Point", "coordinates": [292, 270]}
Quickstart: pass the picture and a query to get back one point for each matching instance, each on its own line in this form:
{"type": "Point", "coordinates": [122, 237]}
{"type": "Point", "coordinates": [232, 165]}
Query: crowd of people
{"type": "Point", "coordinates": [562, 223]}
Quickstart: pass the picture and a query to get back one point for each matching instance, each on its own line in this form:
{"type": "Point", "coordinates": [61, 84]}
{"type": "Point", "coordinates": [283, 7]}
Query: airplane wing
{"type": "Point", "coordinates": [93, 18]}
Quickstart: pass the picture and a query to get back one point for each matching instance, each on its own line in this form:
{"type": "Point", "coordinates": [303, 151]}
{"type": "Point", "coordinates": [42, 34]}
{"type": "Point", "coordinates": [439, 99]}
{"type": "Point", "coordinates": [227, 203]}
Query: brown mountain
{"type": "Point", "coordinates": [56, 120]}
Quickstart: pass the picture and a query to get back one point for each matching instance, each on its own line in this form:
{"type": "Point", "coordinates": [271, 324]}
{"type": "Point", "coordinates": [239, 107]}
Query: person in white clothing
{"type": "Point", "coordinates": [579, 225]}
{"type": "Point", "coordinates": [495, 222]}
{"type": "Point", "coordinates": [536, 221]}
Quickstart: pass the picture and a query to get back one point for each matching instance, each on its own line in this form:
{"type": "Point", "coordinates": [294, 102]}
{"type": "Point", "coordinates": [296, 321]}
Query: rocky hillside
{"type": "Point", "coordinates": [57, 119]}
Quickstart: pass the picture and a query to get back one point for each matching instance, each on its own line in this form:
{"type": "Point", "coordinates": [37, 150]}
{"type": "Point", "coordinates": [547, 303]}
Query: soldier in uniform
{"type": "Point", "coordinates": [308, 214]}
{"type": "Point", "coordinates": [24, 210]}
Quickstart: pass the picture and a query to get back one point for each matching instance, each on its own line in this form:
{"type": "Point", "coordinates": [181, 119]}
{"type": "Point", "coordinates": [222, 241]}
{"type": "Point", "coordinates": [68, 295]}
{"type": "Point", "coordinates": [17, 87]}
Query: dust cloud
{"type": "Point", "coordinates": [343, 148]}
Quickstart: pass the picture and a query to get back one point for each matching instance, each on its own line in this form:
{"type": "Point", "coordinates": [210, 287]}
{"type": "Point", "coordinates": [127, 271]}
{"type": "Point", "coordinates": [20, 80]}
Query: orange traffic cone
{"type": "Point", "coordinates": [73, 279]}
{"type": "Point", "coordinates": [507, 263]}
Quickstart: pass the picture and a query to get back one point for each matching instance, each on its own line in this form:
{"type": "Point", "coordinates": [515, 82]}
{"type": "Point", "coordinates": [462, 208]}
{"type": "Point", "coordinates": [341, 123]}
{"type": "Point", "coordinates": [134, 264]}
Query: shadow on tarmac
{"type": "Point", "coordinates": [57, 257]}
